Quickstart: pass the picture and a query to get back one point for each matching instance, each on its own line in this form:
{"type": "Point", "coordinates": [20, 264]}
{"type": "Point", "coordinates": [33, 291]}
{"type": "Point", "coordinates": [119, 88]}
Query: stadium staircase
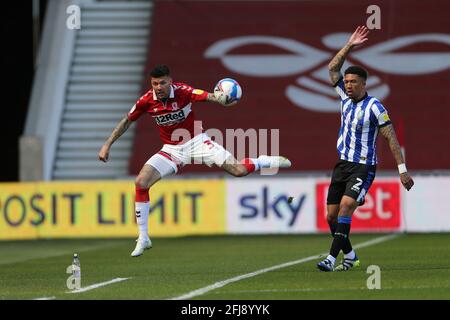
{"type": "Point", "coordinates": [105, 79]}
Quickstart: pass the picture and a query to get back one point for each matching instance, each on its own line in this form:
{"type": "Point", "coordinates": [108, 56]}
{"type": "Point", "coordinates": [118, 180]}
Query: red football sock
{"type": "Point", "coordinates": [248, 164]}
{"type": "Point", "coordinates": [142, 194]}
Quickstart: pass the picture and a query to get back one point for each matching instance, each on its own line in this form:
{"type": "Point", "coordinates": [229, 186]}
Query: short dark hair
{"type": "Point", "coordinates": [360, 71]}
{"type": "Point", "coordinates": [159, 71]}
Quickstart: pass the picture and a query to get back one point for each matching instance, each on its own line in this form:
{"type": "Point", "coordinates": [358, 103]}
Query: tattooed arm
{"type": "Point", "coordinates": [334, 67]}
{"type": "Point", "coordinates": [389, 133]}
{"type": "Point", "coordinates": [123, 125]}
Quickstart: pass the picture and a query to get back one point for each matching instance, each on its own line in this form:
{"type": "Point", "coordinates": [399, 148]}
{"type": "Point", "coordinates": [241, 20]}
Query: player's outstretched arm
{"type": "Point", "coordinates": [389, 133]}
{"type": "Point", "coordinates": [357, 38]}
{"type": "Point", "coordinates": [220, 98]}
{"type": "Point", "coordinates": [123, 125]}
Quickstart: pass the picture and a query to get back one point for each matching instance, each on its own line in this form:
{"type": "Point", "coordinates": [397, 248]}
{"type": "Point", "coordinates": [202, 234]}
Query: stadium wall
{"type": "Point", "coordinates": [214, 206]}
{"type": "Point", "coordinates": [279, 52]}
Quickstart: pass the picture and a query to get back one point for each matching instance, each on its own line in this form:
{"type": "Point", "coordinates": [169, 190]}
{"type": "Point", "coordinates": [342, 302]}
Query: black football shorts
{"type": "Point", "coordinates": [350, 179]}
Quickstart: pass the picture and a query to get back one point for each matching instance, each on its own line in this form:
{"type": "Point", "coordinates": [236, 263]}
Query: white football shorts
{"type": "Point", "coordinates": [199, 150]}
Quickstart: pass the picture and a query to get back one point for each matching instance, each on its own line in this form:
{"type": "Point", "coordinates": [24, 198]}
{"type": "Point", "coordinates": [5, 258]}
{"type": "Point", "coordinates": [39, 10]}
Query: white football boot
{"type": "Point", "coordinates": [141, 245]}
{"type": "Point", "coordinates": [275, 161]}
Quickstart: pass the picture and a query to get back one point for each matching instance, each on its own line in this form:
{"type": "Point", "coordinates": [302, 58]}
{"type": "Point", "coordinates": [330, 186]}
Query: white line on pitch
{"type": "Point", "coordinates": [98, 285]}
{"type": "Point", "coordinates": [223, 283]}
{"type": "Point", "coordinates": [327, 289]}
{"type": "Point", "coordinates": [91, 287]}
{"type": "Point", "coordinates": [376, 241]}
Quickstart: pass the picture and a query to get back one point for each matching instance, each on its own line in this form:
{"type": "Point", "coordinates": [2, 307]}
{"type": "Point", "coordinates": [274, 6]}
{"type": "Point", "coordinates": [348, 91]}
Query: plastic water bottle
{"type": "Point", "coordinates": [76, 266]}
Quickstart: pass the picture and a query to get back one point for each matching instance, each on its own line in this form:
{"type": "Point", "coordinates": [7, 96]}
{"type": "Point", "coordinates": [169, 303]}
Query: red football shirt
{"type": "Point", "coordinates": [175, 113]}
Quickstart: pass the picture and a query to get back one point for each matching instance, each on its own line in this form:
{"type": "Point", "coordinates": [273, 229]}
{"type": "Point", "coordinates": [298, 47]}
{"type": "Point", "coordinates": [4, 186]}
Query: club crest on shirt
{"type": "Point", "coordinates": [174, 106]}
{"type": "Point", "coordinates": [360, 115]}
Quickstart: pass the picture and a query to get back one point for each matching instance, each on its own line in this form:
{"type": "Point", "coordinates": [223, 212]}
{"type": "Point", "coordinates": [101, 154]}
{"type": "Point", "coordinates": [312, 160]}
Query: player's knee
{"type": "Point", "coordinates": [346, 208]}
{"type": "Point", "coordinates": [331, 219]}
{"type": "Point", "coordinates": [141, 182]}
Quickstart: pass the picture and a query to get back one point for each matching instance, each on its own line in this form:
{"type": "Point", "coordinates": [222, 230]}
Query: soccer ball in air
{"type": "Point", "coordinates": [231, 88]}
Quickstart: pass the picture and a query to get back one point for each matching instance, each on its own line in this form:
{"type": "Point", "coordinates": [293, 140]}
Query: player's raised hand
{"type": "Point", "coordinates": [359, 36]}
{"type": "Point", "coordinates": [406, 180]}
{"type": "Point", "coordinates": [103, 154]}
{"type": "Point", "coordinates": [220, 97]}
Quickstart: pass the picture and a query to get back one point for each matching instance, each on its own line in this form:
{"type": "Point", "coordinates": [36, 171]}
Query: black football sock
{"type": "Point", "coordinates": [341, 241]}
{"type": "Point", "coordinates": [333, 227]}
{"type": "Point", "coordinates": [347, 248]}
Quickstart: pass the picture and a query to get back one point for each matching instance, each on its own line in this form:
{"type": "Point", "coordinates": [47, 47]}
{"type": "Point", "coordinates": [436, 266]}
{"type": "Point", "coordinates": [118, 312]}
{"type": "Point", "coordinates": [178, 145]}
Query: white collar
{"type": "Point", "coordinates": [171, 94]}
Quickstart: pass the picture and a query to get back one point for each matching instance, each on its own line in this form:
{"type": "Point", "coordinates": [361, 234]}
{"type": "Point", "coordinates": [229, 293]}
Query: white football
{"type": "Point", "coordinates": [230, 88]}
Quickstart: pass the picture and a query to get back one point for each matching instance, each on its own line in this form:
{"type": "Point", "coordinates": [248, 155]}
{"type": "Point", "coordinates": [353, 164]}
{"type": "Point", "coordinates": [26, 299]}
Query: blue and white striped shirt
{"type": "Point", "coordinates": [360, 122]}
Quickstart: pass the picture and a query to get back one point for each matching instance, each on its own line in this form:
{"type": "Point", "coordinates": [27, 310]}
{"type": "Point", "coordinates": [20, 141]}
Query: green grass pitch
{"type": "Point", "coordinates": [414, 266]}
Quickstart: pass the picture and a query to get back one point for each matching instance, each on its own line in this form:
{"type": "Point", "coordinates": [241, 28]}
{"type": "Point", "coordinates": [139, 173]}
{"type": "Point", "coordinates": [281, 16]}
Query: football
{"type": "Point", "coordinates": [231, 88]}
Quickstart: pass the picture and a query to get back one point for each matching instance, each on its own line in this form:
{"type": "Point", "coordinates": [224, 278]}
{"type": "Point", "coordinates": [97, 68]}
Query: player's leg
{"type": "Point", "coordinates": [341, 234]}
{"type": "Point", "coordinates": [249, 165]}
{"type": "Point", "coordinates": [356, 189]}
{"type": "Point", "coordinates": [147, 177]}
{"type": "Point", "coordinates": [209, 152]}
{"type": "Point", "coordinates": [154, 169]}
{"type": "Point", "coordinates": [335, 192]}
{"type": "Point", "coordinates": [332, 217]}
{"type": "Point", "coordinates": [341, 240]}
{"type": "Point", "coordinates": [235, 168]}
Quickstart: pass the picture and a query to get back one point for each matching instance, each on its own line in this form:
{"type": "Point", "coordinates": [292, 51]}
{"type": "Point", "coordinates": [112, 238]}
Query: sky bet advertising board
{"type": "Point", "coordinates": [275, 205]}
